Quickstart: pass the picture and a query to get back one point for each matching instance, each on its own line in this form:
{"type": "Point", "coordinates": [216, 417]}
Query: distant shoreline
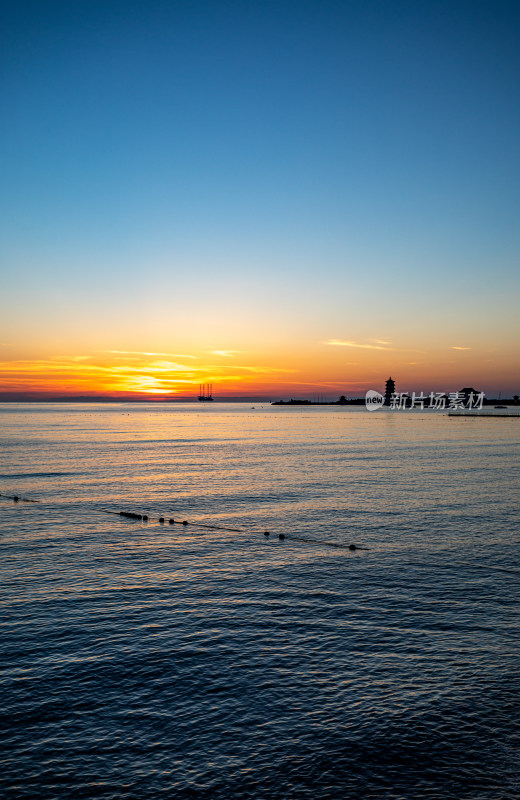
{"type": "Point", "coordinates": [355, 401]}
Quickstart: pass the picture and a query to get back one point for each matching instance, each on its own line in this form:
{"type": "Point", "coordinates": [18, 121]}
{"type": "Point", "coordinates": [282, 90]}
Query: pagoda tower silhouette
{"type": "Point", "coordinates": [389, 390]}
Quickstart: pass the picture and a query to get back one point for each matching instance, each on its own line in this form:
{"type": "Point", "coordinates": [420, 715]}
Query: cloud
{"type": "Point", "coordinates": [225, 353]}
{"type": "Point", "coordinates": [259, 370]}
{"type": "Point", "coordinates": [341, 343]}
{"type": "Point", "coordinates": [454, 347]}
{"type": "Point", "coordinates": [77, 374]}
{"type": "Point", "coordinates": [143, 353]}
{"type": "Point", "coordinates": [73, 358]}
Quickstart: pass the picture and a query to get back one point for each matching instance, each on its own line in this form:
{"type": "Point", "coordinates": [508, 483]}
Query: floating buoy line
{"type": "Point", "coordinates": [169, 521]}
{"type": "Point", "coordinates": [137, 517]}
{"type": "Point", "coordinates": [281, 536]}
{"type": "Point", "coordinates": [18, 499]}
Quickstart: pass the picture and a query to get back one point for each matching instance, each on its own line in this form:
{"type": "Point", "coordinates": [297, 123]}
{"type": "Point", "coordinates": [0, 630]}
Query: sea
{"type": "Point", "coordinates": [153, 659]}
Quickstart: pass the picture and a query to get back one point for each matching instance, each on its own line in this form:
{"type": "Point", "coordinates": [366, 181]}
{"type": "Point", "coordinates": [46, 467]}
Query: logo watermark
{"type": "Point", "coordinates": [374, 400]}
{"type": "Point", "coordinates": [435, 400]}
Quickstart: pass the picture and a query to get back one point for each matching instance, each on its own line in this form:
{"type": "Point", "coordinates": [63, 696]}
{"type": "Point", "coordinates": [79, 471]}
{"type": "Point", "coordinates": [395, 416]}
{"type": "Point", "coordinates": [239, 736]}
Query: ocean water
{"type": "Point", "coordinates": [148, 660]}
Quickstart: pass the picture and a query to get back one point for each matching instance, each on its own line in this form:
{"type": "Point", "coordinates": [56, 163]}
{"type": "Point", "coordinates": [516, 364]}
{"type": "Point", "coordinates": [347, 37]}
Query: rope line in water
{"type": "Point", "coordinates": [282, 536]}
{"type": "Point", "coordinates": [352, 547]}
{"type": "Point", "coordinates": [171, 521]}
{"type": "Point", "coordinates": [18, 499]}
{"type": "Point", "coordinates": [329, 544]}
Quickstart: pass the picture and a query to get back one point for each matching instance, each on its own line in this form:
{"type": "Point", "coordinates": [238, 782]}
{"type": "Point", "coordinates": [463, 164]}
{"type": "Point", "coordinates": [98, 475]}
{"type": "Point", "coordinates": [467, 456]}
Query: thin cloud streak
{"type": "Point", "coordinates": [73, 358]}
{"type": "Point", "coordinates": [143, 353]}
{"type": "Point", "coordinates": [225, 353]}
{"type": "Point", "coordinates": [341, 343]}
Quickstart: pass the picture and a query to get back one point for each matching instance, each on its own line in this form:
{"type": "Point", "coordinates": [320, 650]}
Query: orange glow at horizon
{"type": "Point", "coordinates": [330, 368]}
{"type": "Point", "coordinates": [140, 374]}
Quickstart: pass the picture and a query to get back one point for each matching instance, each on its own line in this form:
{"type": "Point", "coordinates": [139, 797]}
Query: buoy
{"type": "Point", "coordinates": [145, 517]}
{"type": "Point", "coordinates": [185, 522]}
{"type": "Point", "coordinates": [352, 547]}
{"type": "Point", "coordinates": [281, 536]}
{"type": "Point", "coordinates": [266, 533]}
{"type": "Point", "coordinates": [16, 498]}
{"type": "Point", "coordinates": [161, 520]}
{"type": "Point", "coordinates": [172, 521]}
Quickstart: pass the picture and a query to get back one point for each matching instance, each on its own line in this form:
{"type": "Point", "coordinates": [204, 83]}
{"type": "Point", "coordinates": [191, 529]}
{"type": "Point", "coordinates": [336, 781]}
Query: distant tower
{"type": "Point", "coordinates": [389, 390]}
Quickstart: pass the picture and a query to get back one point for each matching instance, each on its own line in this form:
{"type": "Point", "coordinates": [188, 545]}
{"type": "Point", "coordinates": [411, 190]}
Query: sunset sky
{"type": "Point", "coordinates": [281, 198]}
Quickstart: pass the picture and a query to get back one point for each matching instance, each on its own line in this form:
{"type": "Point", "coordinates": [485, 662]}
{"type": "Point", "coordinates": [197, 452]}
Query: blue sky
{"type": "Point", "coordinates": [335, 170]}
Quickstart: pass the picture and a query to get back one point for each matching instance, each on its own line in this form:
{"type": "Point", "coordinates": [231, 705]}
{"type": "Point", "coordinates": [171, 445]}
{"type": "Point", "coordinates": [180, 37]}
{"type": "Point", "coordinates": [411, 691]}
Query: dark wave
{"type": "Point", "coordinates": [11, 475]}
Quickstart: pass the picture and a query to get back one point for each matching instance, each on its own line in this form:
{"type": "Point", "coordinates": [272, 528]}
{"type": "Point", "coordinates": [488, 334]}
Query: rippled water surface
{"type": "Point", "coordinates": [148, 660]}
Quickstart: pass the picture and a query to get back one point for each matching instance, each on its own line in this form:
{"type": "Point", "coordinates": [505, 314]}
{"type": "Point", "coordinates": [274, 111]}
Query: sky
{"type": "Point", "coordinates": [280, 198]}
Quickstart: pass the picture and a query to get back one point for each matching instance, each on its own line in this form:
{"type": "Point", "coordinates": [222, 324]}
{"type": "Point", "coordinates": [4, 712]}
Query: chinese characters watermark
{"type": "Point", "coordinates": [435, 400]}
